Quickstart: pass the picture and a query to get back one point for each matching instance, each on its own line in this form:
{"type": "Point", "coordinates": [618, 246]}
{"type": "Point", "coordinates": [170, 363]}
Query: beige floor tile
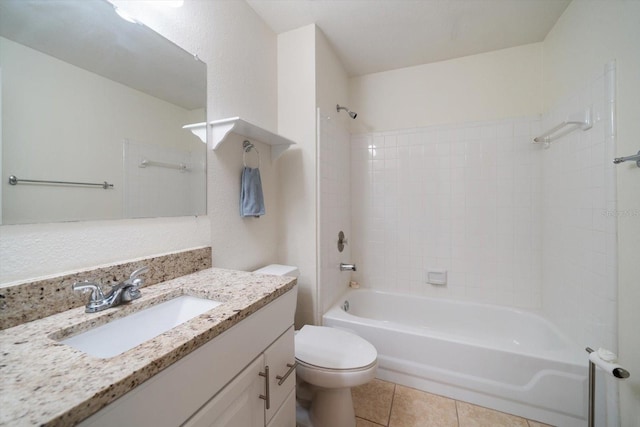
{"type": "Point", "coordinates": [537, 424]}
{"type": "Point", "coordinates": [372, 401]}
{"type": "Point", "coordinates": [476, 416]}
{"type": "Point", "coordinates": [415, 408]}
{"type": "Point", "coordinates": [364, 423]}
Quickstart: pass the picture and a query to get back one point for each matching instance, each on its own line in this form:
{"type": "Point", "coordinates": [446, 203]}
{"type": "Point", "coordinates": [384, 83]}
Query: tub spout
{"type": "Point", "coordinates": [347, 267]}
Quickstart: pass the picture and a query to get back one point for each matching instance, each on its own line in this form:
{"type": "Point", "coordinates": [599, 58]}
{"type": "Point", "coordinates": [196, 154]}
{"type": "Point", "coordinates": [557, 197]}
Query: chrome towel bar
{"type": "Point", "coordinates": [634, 158]}
{"type": "Point", "coordinates": [13, 180]}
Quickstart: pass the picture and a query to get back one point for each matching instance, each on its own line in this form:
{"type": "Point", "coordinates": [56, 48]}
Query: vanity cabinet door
{"type": "Point", "coordinates": [238, 404]}
{"type": "Point", "coordinates": [286, 415]}
{"type": "Point", "coordinates": [280, 357]}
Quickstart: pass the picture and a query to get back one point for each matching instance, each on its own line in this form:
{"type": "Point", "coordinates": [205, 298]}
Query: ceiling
{"type": "Point", "coordinates": [371, 36]}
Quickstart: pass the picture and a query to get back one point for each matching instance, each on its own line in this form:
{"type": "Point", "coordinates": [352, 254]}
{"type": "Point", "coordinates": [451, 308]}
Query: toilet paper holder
{"type": "Point", "coordinates": [610, 367]}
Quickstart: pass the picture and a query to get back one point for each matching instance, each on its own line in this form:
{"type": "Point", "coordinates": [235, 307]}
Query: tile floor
{"type": "Point", "coordinates": [381, 403]}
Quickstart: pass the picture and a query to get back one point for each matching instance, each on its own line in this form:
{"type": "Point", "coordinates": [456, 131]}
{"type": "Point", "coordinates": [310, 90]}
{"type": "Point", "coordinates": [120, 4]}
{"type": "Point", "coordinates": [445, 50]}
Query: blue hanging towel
{"type": "Point", "coordinates": [251, 197]}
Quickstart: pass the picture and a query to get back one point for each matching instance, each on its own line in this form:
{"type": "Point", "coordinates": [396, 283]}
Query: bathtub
{"type": "Point", "coordinates": [505, 359]}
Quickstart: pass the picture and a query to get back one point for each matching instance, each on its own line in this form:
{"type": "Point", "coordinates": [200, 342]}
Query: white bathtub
{"type": "Point", "coordinates": [506, 359]}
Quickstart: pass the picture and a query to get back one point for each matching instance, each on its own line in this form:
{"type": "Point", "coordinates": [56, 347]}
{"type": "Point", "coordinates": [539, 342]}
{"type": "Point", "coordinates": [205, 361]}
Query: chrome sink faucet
{"type": "Point", "coordinates": [125, 291]}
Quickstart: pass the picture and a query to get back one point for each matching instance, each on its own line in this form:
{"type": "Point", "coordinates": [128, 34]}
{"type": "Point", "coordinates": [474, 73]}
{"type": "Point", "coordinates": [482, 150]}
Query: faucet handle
{"type": "Point", "coordinates": [138, 272]}
{"type": "Point", "coordinates": [86, 286]}
{"type": "Point", "coordinates": [132, 285]}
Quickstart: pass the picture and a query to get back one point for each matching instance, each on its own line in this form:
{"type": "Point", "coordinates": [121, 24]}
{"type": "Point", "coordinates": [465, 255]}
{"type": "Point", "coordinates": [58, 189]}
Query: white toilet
{"type": "Point", "coordinates": [330, 362]}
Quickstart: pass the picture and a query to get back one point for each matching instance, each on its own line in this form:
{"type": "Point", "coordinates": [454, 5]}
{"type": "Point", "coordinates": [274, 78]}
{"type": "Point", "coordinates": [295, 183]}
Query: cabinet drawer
{"type": "Point", "coordinates": [280, 358]}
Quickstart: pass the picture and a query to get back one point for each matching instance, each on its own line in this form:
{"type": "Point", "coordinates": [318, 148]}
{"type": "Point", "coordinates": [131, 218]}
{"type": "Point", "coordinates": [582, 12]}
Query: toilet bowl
{"type": "Point", "coordinates": [329, 362]}
{"type": "Point", "coordinates": [332, 361]}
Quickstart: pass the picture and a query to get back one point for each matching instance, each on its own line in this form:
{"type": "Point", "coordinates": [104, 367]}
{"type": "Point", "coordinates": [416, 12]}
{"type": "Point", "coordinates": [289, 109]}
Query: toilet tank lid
{"type": "Point", "coordinates": [279, 270]}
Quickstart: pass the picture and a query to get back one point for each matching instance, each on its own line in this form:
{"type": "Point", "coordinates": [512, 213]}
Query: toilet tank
{"type": "Point", "coordinates": [279, 270]}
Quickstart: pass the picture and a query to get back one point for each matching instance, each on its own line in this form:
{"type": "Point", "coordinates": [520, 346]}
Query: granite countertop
{"type": "Point", "coordinates": [44, 382]}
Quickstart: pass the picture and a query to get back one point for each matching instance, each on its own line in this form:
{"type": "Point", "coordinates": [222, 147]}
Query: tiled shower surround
{"type": "Point", "coordinates": [512, 222]}
{"type": "Point", "coordinates": [465, 198]}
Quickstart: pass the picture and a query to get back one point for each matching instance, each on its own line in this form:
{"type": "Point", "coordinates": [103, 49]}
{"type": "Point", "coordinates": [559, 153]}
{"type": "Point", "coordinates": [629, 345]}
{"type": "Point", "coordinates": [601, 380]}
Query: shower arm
{"type": "Point", "coordinates": [352, 114]}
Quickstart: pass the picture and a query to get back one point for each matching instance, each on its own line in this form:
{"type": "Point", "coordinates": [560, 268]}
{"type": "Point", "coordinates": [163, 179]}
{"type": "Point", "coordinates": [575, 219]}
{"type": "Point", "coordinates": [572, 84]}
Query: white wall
{"type": "Point", "coordinates": [494, 85]}
{"type": "Point", "coordinates": [587, 35]}
{"type": "Point", "coordinates": [298, 165]}
{"type": "Point", "coordinates": [314, 173]}
{"type": "Point", "coordinates": [52, 249]}
{"type": "Point", "coordinates": [240, 51]}
{"type": "Point", "coordinates": [332, 81]}
{"type": "Point", "coordinates": [241, 56]}
{"type": "Point", "coordinates": [333, 148]}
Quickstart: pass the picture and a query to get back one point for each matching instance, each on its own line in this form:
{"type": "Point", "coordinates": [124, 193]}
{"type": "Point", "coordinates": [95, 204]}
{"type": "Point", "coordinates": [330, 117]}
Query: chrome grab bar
{"type": "Point", "coordinates": [634, 158]}
{"type": "Point", "coordinates": [549, 137]}
{"type": "Point", "coordinates": [582, 120]}
{"type": "Point", "coordinates": [182, 167]}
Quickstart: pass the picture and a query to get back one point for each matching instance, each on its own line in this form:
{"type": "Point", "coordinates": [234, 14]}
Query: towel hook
{"type": "Point", "coordinates": [248, 146]}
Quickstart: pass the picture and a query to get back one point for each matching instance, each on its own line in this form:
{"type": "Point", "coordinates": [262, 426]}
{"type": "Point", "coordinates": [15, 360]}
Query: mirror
{"type": "Point", "coordinates": [96, 105]}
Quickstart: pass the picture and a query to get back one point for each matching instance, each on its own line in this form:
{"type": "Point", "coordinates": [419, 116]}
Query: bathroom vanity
{"type": "Point", "coordinates": [232, 365]}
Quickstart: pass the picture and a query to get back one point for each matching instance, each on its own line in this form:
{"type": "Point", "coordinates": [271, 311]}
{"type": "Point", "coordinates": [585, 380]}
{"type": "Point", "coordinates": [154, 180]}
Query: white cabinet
{"type": "Point", "coordinates": [217, 376]}
{"type": "Point", "coordinates": [247, 401]}
{"type": "Point", "coordinates": [286, 415]}
{"type": "Point", "coordinates": [237, 404]}
{"type": "Point", "coordinates": [280, 358]}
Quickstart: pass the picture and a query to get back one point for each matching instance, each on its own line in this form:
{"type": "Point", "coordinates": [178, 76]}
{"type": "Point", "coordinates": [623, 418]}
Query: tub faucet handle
{"type": "Point", "coordinates": [341, 241]}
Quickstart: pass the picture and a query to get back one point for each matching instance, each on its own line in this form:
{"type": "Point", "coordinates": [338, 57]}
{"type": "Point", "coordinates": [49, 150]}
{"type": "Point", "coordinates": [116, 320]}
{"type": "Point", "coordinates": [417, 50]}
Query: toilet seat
{"type": "Point", "coordinates": [335, 379]}
{"type": "Point", "coordinates": [333, 349]}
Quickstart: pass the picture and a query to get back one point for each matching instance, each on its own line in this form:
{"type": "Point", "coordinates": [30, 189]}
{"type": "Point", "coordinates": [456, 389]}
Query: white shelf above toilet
{"type": "Point", "coordinates": [221, 128]}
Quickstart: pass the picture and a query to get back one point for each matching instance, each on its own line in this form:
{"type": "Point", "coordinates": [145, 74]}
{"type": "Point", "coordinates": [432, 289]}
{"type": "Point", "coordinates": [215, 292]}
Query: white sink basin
{"type": "Point", "coordinates": [123, 334]}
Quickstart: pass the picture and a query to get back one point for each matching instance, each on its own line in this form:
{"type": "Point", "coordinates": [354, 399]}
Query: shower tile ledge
{"type": "Point", "coordinates": [48, 383]}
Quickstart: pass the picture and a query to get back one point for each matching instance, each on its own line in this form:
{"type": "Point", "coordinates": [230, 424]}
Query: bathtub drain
{"type": "Point", "coordinates": [345, 306]}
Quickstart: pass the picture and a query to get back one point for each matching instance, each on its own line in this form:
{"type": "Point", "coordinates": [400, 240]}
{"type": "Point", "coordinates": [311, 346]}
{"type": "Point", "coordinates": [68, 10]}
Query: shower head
{"type": "Point", "coordinates": [352, 114]}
